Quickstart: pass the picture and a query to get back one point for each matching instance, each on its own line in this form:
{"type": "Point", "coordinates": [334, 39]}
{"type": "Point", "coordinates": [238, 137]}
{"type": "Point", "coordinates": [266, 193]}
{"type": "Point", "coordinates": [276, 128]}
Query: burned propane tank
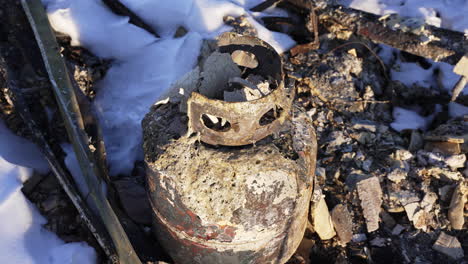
{"type": "Point", "coordinates": [230, 161]}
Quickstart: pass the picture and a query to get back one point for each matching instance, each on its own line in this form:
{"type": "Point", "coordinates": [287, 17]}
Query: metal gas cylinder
{"type": "Point", "coordinates": [219, 200]}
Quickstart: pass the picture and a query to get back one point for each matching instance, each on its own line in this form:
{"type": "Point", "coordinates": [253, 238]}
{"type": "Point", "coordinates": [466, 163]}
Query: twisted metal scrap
{"type": "Point", "coordinates": [244, 117]}
{"type": "Point", "coordinates": [73, 120]}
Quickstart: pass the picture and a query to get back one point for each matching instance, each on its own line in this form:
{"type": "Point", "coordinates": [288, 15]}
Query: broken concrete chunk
{"type": "Point", "coordinates": [420, 219]}
{"type": "Point", "coordinates": [442, 161]}
{"type": "Point", "coordinates": [397, 175]}
{"type": "Point", "coordinates": [343, 222]}
{"type": "Point", "coordinates": [245, 59]}
{"type": "Point", "coordinates": [322, 221]}
{"type": "Point", "coordinates": [449, 246]}
{"type": "Point", "coordinates": [403, 154]}
{"type": "Point", "coordinates": [456, 161]}
{"type": "Point", "coordinates": [410, 201]}
{"type": "Point", "coordinates": [217, 70]}
{"type": "Point", "coordinates": [370, 194]}
{"type": "Point", "coordinates": [411, 209]}
{"type": "Point", "coordinates": [443, 174]}
{"type": "Point", "coordinates": [457, 205]}
{"type": "Point", "coordinates": [428, 201]}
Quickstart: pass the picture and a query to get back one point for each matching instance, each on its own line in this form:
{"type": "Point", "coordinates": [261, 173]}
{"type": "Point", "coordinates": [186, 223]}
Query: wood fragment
{"type": "Point", "coordinates": [448, 148]}
{"type": "Point", "coordinates": [458, 88]}
{"type": "Point", "coordinates": [461, 69]}
{"type": "Point", "coordinates": [120, 9]}
{"type": "Point", "coordinates": [370, 194]}
{"type": "Point", "coordinates": [449, 246]}
{"type": "Point", "coordinates": [457, 206]}
{"type": "Point", "coordinates": [446, 45]}
{"type": "Point", "coordinates": [447, 138]}
{"type": "Point", "coordinates": [264, 5]}
{"type": "Point", "coordinates": [322, 221]}
{"type": "Point", "coordinates": [343, 222]}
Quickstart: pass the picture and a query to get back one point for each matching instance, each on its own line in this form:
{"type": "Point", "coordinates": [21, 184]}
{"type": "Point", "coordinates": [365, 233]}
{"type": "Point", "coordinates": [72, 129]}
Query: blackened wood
{"type": "Point", "coordinates": [120, 9]}
{"type": "Point", "coordinates": [448, 46]}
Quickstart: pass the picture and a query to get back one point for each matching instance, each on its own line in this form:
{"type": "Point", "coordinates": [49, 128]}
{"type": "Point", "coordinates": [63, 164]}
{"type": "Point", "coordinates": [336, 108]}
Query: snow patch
{"type": "Point", "coordinates": [449, 14]}
{"type": "Point", "coordinates": [457, 110]}
{"type": "Point", "coordinates": [20, 151]}
{"type": "Point", "coordinates": [24, 240]}
{"type": "Point", "coordinates": [408, 119]}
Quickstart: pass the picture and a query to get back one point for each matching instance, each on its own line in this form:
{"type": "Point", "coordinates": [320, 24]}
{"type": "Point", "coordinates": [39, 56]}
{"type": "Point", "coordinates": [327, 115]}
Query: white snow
{"type": "Point", "coordinates": [457, 110]}
{"type": "Point", "coordinates": [23, 239]}
{"type": "Point", "coordinates": [410, 119]}
{"type": "Point", "coordinates": [450, 14]}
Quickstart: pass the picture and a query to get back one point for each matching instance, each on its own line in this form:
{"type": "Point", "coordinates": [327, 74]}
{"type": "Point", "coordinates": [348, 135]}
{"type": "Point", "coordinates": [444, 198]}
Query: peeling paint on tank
{"type": "Point", "coordinates": [227, 207]}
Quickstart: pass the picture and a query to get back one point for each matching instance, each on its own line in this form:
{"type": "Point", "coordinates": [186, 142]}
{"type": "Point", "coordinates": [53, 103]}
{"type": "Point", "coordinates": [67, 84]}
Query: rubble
{"type": "Point", "coordinates": [370, 195]}
{"type": "Point", "coordinates": [322, 220]}
{"type": "Point", "coordinates": [397, 175]}
{"type": "Point", "coordinates": [458, 204]}
{"type": "Point", "coordinates": [411, 180]}
{"type": "Point", "coordinates": [449, 246]}
{"type": "Point", "coordinates": [365, 125]}
{"type": "Point", "coordinates": [343, 223]}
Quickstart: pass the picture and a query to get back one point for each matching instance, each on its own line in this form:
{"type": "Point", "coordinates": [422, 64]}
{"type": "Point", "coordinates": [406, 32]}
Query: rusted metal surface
{"type": "Point", "coordinates": [244, 117]}
{"type": "Point", "coordinates": [233, 205]}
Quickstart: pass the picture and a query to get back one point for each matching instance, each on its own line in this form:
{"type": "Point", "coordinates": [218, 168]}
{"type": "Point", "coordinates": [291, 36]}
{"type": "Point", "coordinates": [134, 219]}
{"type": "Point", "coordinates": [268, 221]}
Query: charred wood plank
{"type": "Point", "coordinates": [446, 45]}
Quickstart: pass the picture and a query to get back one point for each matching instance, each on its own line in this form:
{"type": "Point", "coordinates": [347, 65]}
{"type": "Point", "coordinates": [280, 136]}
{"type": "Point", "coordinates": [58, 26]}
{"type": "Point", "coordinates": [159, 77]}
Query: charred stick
{"type": "Point", "coordinates": [120, 9]}
{"type": "Point", "coordinates": [458, 88]}
{"type": "Point", "coordinates": [461, 68]}
{"type": "Point", "coordinates": [312, 27]}
{"type": "Point", "coordinates": [444, 45]}
{"type": "Point", "coordinates": [264, 5]}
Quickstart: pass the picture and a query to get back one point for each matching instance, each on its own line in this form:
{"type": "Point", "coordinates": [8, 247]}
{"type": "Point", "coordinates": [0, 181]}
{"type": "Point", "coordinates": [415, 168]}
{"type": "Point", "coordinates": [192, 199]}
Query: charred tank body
{"type": "Point", "coordinates": [218, 200]}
